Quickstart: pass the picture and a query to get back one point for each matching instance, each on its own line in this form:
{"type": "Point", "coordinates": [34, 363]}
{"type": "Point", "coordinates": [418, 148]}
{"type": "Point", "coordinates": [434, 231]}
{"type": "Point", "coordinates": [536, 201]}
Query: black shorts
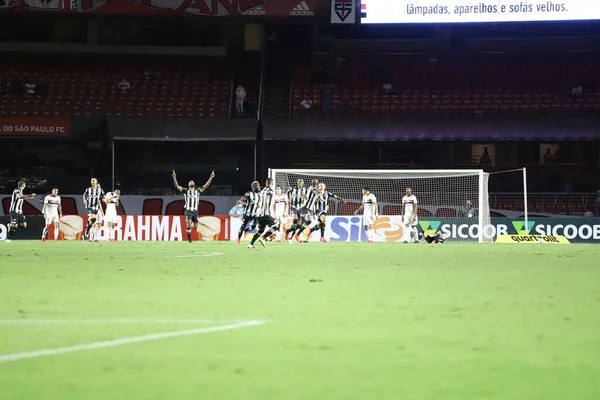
{"type": "Point", "coordinates": [303, 212]}
{"type": "Point", "coordinates": [266, 221]}
{"type": "Point", "coordinates": [191, 216]}
{"type": "Point", "coordinates": [245, 220]}
{"type": "Point", "coordinates": [92, 211]}
{"type": "Point", "coordinates": [318, 213]}
{"type": "Point", "coordinates": [436, 238]}
{"type": "Point", "coordinates": [16, 218]}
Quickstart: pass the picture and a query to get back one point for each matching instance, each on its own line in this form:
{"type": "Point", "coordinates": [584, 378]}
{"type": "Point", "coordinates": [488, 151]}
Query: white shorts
{"type": "Point", "coordinates": [111, 216]}
{"type": "Point", "coordinates": [406, 220]}
{"type": "Point", "coordinates": [280, 219]}
{"type": "Point", "coordinates": [369, 219]}
{"type": "Point", "coordinates": [52, 219]}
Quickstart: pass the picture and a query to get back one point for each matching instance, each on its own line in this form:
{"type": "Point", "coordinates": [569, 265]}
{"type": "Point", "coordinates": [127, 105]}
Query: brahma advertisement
{"type": "Point", "coordinates": [165, 228]}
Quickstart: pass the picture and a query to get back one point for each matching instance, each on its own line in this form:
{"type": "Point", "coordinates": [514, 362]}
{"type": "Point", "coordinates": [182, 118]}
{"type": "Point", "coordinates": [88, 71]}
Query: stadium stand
{"type": "Point", "coordinates": [484, 84]}
{"type": "Point", "coordinates": [87, 85]}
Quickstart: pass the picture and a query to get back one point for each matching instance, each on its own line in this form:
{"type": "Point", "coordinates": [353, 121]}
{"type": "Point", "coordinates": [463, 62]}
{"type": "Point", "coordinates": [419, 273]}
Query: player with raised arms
{"type": "Point", "coordinates": [322, 208]}
{"type": "Point", "coordinates": [252, 200]}
{"type": "Point", "coordinates": [92, 198]}
{"type": "Point", "coordinates": [191, 197]}
{"type": "Point", "coordinates": [17, 218]}
{"type": "Point", "coordinates": [52, 210]}
{"type": "Point", "coordinates": [112, 202]}
{"type": "Point", "coordinates": [370, 212]}
{"type": "Point", "coordinates": [409, 215]}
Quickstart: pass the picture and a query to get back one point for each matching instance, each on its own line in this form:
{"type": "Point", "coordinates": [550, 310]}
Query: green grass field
{"type": "Point", "coordinates": [343, 321]}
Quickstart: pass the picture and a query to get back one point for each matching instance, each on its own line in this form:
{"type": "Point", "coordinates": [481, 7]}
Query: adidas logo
{"type": "Point", "coordinates": [301, 9]}
{"type": "Point", "coordinates": [260, 10]}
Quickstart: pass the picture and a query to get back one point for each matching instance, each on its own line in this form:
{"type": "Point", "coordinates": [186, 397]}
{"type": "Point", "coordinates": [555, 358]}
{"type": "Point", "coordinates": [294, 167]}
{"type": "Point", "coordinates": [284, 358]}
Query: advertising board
{"type": "Point", "coordinates": [460, 11]}
{"type": "Point", "coordinates": [129, 228]}
{"type": "Point", "coordinates": [388, 228]}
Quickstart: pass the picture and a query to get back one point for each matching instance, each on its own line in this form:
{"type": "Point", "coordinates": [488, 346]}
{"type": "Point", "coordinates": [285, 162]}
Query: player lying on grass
{"type": "Point", "coordinates": [370, 212]}
{"type": "Point", "coordinates": [437, 238]}
{"type": "Point", "coordinates": [191, 197]}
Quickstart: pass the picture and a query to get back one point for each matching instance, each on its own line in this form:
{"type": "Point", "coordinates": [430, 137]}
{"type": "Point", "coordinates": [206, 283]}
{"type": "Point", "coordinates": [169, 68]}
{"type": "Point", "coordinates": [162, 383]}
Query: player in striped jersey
{"type": "Point", "coordinates": [299, 197]}
{"type": "Point", "coordinates": [191, 197]}
{"type": "Point", "coordinates": [264, 215]}
{"type": "Point", "coordinates": [17, 218]}
{"type": "Point", "coordinates": [253, 202]}
{"type": "Point", "coordinates": [305, 214]}
{"type": "Point", "coordinates": [92, 198]}
{"type": "Point", "coordinates": [52, 210]}
{"type": "Point", "coordinates": [322, 198]}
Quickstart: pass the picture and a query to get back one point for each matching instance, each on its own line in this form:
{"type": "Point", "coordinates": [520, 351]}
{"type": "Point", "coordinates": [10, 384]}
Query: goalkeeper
{"type": "Point", "coordinates": [437, 238]}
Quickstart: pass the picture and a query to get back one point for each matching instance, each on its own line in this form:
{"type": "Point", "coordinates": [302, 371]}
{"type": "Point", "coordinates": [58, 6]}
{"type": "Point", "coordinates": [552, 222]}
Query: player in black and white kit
{"type": "Point", "coordinates": [17, 218]}
{"type": "Point", "coordinates": [253, 202]}
{"type": "Point", "coordinates": [92, 198]}
{"type": "Point", "coordinates": [322, 208]}
{"type": "Point", "coordinates": [264, 215]}
{"type": "Point", "coordinates": [191, 196]}
{"type": "Point", "coordinates": [299, 199]}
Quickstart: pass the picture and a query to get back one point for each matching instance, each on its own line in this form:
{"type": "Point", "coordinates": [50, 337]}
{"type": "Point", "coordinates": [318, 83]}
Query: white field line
{"type": "Point", "coordinates": [124, 341]}
{"type": "Point", "coordinates": [83, 321]}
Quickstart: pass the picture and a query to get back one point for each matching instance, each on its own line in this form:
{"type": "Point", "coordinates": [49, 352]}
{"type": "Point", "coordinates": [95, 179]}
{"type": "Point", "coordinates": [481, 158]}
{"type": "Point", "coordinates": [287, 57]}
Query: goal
{"type": "Point", "coordinates": [442, 197]}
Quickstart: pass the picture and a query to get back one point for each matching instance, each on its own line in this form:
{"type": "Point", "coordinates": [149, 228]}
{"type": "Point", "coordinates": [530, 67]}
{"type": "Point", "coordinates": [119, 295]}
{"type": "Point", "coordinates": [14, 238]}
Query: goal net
{"type": "Point", "coordinates": [453, 202]}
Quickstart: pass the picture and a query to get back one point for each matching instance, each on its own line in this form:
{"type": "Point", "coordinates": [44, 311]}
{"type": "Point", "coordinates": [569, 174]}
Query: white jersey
{"type": "Point", "coordinates": [111, 208]}
{"type": "Point", "coordinates": [409, 203]}
{"type": "Point", "coordinates": [113, 198]}
{"type": "Point", "coordinates": [369, 201]}
{"type": "Point", "coordinates": [51, 204]}
{"type": "Point", "coordinates": [280, 202]}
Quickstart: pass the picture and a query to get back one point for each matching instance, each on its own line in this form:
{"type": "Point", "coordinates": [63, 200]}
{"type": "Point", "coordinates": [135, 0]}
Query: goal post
{"type": "Point", "coordinates": [443, 198]}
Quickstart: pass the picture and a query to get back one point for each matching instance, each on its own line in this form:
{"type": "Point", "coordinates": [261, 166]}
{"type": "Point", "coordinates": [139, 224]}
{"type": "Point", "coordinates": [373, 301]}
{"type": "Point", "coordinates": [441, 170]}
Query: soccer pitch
{"type": "Point", "coordinates": [139, 320]}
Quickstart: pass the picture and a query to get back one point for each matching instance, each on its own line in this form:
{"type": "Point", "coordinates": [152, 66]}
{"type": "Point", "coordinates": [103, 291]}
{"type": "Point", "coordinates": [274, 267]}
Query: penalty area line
{"type": "Point", "coordinates": [124, 341]}
{"type": "Point", "coordinates": [107, 321]}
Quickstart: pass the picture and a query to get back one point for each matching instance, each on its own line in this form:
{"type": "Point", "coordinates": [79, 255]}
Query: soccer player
{"type": "Point", "coordinates": [52, 211]}
{"type": "Point", "coordinates": [438, 238]}
{"type": "Point", "coordinates": [112, 202]}
{"type": "Point", "coordinates": [253, 202]}
{"type": "Point", "coordinates": [281, 210]}
{"type": "Point", "coordinates": [92, 198]}
{"type": "Point", "coordinates": [322, 208]}
{"type": "Point", "coordinates": [298, 196]}
{"type": "Point", "coordinates": [370, 212]}
{"type": "Point", "coordinates": [266, 223]}
{"type": "Point", "coordinates": [16, 209]}
{"type": "Point", "coordinates": [191, 196]}
{"type": "Point", "coordinates": [409, 215]}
